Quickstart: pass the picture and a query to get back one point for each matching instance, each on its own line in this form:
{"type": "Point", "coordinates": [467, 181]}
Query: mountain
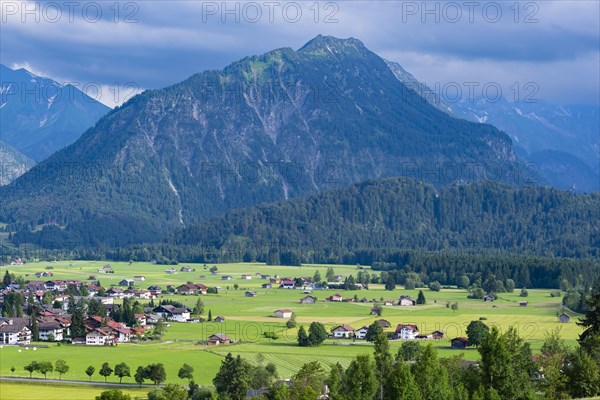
{"type": "Point", "coordinates": [12, 164]}
{"type": "Point", "coordinates": [537, 129]}
{"type": "Point", "coordinates": [399, 213]}
{"type": "Point", "coordinates": [266, 128]}
{"type": "Point", "coordinates": [40, 116]}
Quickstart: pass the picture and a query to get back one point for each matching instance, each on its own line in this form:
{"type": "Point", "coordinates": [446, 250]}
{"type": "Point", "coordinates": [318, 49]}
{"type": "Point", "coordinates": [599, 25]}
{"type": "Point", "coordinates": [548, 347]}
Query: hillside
{"type": "Point", "coordinates": [281, 125]}
{"type": "Point", "coordinates": [12, 164]}
{"type": "Point", "coordinates": [396, 213]}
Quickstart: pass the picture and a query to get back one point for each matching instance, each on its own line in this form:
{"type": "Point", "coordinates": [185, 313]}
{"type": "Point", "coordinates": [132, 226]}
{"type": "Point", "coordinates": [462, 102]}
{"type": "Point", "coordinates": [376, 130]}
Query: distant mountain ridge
{"type": "Point", "coordinates": [40, 116]}
{"type": "Point", "coordinates": [568, 135]}
{"type": "Point", "coordinates": [12, 164]}
{"type": "Point", "coordinates": [266, 128]}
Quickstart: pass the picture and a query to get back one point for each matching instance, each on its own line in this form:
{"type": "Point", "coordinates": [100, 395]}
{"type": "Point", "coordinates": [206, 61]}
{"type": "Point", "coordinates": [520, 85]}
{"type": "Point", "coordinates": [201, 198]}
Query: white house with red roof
{"type": "Point", "coordinates": [406, 331]}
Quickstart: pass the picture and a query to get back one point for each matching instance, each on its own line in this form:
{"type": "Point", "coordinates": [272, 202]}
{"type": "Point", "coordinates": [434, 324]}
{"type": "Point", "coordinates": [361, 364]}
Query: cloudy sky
{"type": "Point", "coordinates": [134, 45]}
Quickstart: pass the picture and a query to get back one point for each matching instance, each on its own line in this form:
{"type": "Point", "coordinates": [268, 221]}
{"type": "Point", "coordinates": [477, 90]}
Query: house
{"type": "Point", "coordinates": [126, 282]}
{"type": "Point", "coordinates": [384, 323]}
{"type": "Point", "coordinates": [246, 276]}
{"type": "Point", "coordinates": [308, 300]}
{"type": "Point", "coordinates": [155, 290]}
{"type": "Point", "coordinates": [139, 278]}
{"type": "Point", "coordinates": [186, 269]}
{"type": "Point", "coordinates": [523, 303]}
{"type": "Point", "coordinates": [219, 319]}
{"type": "Point", "coordinates": [343, 331]}
{"type": "Point", "coordinates": [335, 297]}
{"type": "Point", "coordinates": [361, 333]}
{"type": "Point", "coordinates": [226, 278]}
{"type": "Point", "coordinates": [57, 285]}
{"type": "Point", "coordinates": [459, 343]}
{"type": "Point", "coordinates": [388, 303]}
{"type": "Point", "coordinates": [115, 293]}
{"type": "Point", "coordinates": [437, 334]}
{"type": "Point", "coordinates": [406, 301]}
{"type": "Point", "coordinates": [152, 319]}
{"type": "Point", "coordinates": [192, 289]}
{"type": "Point", "coordinates": [43, 273]}
{"type": "Point", "coordinates": [265, 277]}
{"type": "Point", "coordinates": [406, 331]}
{"type": "Point", "coordinates": [140, 318]}
{"type": "Point", "coordinates": [141, 294]}
{"type": "Point", "coordinates": [15, 331]}
{"type": "Point", "coordinates": [283, 313]}
{"type": "Point", "coordinates": [250, 294]}
{"type": "Point", "coordinates": [488, 298]}
{"type": "Point", "coordinates": [171, 271]}
{"type": "Point", "coordinates": [50, 329]}
{"type": "Point", "coordinates": [564, 318]}
{"type": "Point", "coordinates": [173, 313]}
{"type": "Point", "coordinates": [219, 339]}
{"type": "Point", "coordinates": [287, 283]}
{"type": "Point", "coordinates": [99, 337]}
{"type": "Point", "coordinates": [266, 286]}
{"type": "Point", "coordinates": [338, 278]}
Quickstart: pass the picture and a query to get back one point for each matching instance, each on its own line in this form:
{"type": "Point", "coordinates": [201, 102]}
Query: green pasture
{"type": "Point", "coordinates": [41, 390]}
{"type": "Point", "coordinates": [248, 317]}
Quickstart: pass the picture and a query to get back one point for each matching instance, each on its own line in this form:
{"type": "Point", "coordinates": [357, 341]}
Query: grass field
{"type": "Point", "coordinates": [41, 390]}
{"type": "Point", "coordinates": [247, 318]}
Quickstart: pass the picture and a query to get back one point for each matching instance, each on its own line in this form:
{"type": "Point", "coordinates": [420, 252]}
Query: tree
{"type": "Point", "coordinates": [476, 332]}
{"type": "Point", "coordinates": [199, 308]}
{"type": "Point", "coordinates": [377, 309]}
{"type": "Point", "coordinates": [76, 309]}
{"type": "Point", "coordinates": [113, 394]}
{"type": "Point", "coordinates": [232, 380]}
{"type": "Point", "coordinates": [122, 370]}
{"type": "Point", "coordinates": [510, 285]}
{"type": "Point", "coordinates": [44, 367]}
{"type": "Point", "coordinates": [12, 370]}
{"type": "Point", "coordinates": [584, 375]}
{"type": "Point", "coordinates": [311, 375]}
{"type": "Point", "coordinates": [303, 337]}
{"type": "Point", "coordinates": [334, 382]}
{"type": "Point", "coordinates": [209, 315]}
{"type": "Point", "coordinates": [401, 384]}
{"type": "Point", "coordinates": [171, 391]}
{"type": "Point", "coordinates": [139, 376]}
{"type": "Point", "coordinates": [409, 351]}
{"type": "Point", "coordinates": [291, 323]}
{"type": "Point", "coordinates": [6, 281]}
{"type": "Point", "coordinates": [105, 371]}
{"type": "Point", "coordinates": [591, 321]}
{"type": "Point", "coordinates": [454, 306]}
{"type": "Point", "coordinates": [383, 360]}
{"type": "Point", "coordinates": [61, 367]}
{"type": "Point", "coordinates": [390, 283]}
{"type": "Point", "coordinates": [31, 367]}
{"type": "Point", "coordinates": [359, 379]}
{"type": "Point", "coordinates": [330, 275]}
{"type": "Point", "coordinates": [156, 373]}
{"type": "Point", "coordinates": [435, 286]}
{"type": "Point", "coordinates": [317, 277]}
{"type": "Point", "coordinates": [316, 334]}
{"type": "Point", "coordinates": [186, 372]}
{"type": "Point", "coordinates": [463, 282]}
{"type": "Point", "coordinates": [90, 371]}
{"type": "Point", "coordinates": [432, 376]}
{"type": "Point", "coordinates": [552, 361]}
{"type": "Point", "coordinates": [421, 298]}
{"type": "Point", "coordinates": [374, 329]}
{"type": "Point", "coordinates": [35, 330]}
{"type": "Point", "coordinates": [524, 293]}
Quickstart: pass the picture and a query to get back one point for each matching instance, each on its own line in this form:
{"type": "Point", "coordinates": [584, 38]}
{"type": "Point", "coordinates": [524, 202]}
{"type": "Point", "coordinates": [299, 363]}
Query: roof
{"type": "Point", "coordinates": [220, 336]}
{"type": "Point", "coordinates": [460, 339]}
{"type": "Point", "coordinates": [283, 311]}
{"type": "Point", "coordinates": [410, 327]}
{"type": "Point", "coordinates": [17, 325]}
{"type": "Point", "coordinates": [344, 327]}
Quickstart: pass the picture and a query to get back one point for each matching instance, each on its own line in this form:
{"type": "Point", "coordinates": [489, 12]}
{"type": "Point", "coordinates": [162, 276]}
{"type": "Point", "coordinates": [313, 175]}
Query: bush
{"type": "Point", "coordinates": [271, 335]}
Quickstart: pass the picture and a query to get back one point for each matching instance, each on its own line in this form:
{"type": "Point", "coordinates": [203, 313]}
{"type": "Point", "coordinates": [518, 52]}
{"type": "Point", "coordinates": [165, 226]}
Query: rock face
{"type": "Point", "coordinates": [12, 164]}
{"type": "Point", "coordinates": [281, 125]}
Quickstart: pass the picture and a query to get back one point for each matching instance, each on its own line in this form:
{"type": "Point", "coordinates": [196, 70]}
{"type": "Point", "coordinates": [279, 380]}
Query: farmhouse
{"type": "Point", "coordinates": [171, 271]}
{"type": "Point", "coordinates": [266, 286]}
{"type": "Point", "coordinates": [99, 337]}
{"type": "Point", "coordinates": [186, 269]}
{"type": "Point", "coordinates": [406, 331]}
{"type": "Point", "coordinates": [126, 282]}
{"type": "Point", "coordinates": [287, 283]}
{"type": "Point", "coordinates": [361, 333]}
{"type": "Point", "coordinates": [343, 331]}
{"type": "Point", "coordinates": [335, 297]}
{"type": "Point", "coordinates": [155, 290]}
{"type": "Point", "coordinates": [384, 323]}
{"type": "Point", "coordinates": [406, 301]}
{"type": "Point", "coordinates": [139, 278]}
{"type": "Point", "coordinates": [50, 329]}
{"type": "Point", "coordinates": [283, 313]}
{"type": "Point", "coordinates": [459, 343]}
{"type": "Point", "coordinates": [173, 313]}
{"type": "Point", "coordinates": [250, 294]}
{"type": "Point", "coordinates": [115, 293]}
{"type": "Point", "coordinates": [43, 273]}
{"type": "Point", "coordinates": [219, 319]}
{"type": "Point", "coordinates": [308, 300]}
{"type": "Point", "coordinates": [15, 331]}
{"type": "Point", "coordinates": [226, 278]}
{"type": "Point", "coordinates": [488, 298]}
{"type": "Point", "coordinates": [192, 289]}
{"type": "Point", "coordinates": [219, 339]}
{"type": "Point", "coordinates": [437, 334]}
{"type": "Point", "coordinates": [246, 276]}
{"type": "Point", "coordinates": [140, 318]}
{"type": "Point", "coordinates": [564, 318]}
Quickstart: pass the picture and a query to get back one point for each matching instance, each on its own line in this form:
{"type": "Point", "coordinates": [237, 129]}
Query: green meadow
{"type": "Point", "coordinates": [248, 317]}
